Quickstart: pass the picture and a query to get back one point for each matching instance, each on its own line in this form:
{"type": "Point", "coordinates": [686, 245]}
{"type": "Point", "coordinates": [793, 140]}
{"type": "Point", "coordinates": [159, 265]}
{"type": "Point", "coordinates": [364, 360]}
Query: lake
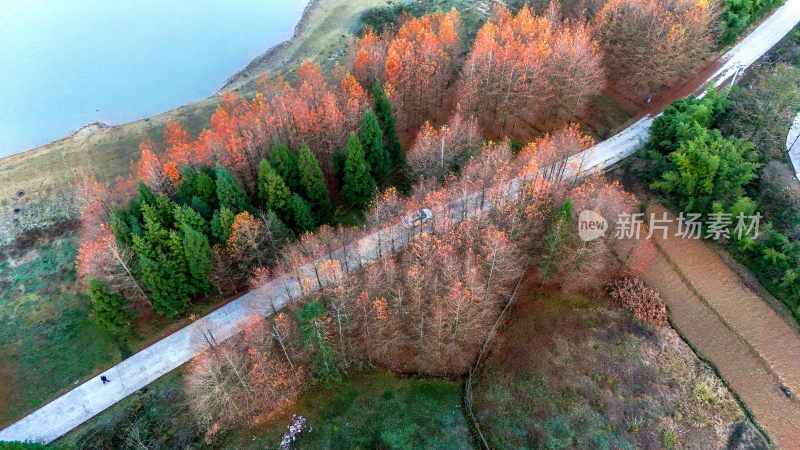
{"type": "Point", "coordinates": [66, 63]}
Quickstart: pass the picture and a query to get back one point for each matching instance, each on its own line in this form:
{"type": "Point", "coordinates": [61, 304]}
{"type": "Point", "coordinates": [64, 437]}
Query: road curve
{"type": "Point", "coordinates": [92, 397]}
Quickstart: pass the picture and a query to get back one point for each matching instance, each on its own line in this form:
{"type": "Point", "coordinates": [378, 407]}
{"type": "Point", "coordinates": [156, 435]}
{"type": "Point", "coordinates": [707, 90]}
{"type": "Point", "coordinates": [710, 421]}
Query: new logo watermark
{"type": "Point", "coordinates": [716, 226]}
{"type": "Point", "coordinates": [591, 225]}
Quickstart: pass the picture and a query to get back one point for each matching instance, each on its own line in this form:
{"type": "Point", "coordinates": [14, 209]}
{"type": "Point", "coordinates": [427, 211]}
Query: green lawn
{"type": "Point", "coordinates": [372, 411]}
{"type": "Point", "coordinates": [47, 340]}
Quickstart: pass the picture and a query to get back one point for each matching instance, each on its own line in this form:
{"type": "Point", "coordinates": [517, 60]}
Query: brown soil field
{"type": "Point", "coordinates": [751, 345]}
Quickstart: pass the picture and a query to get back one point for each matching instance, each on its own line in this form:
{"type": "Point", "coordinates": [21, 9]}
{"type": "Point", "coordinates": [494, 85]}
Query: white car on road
{"type": "Point", "coordinates": [417, 218]}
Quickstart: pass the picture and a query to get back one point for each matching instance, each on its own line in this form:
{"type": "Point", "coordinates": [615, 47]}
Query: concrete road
{"type": "Point", "coordinates": [793, 145]}
{"type": "Point", "coordinates": [92, 397]}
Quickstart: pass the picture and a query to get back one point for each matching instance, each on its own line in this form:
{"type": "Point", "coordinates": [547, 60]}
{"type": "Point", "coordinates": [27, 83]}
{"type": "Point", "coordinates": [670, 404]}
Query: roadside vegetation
{"type": "Point", "coordinates": [371, 410]}
{"type": "Point", "coordinates": [739, 15]}
{"type": "Point", "coordinates": [45, 323]}
{"type": "Point", "coordinates": [364, 410]}
{"type": "Point", "coordinates": [726, 154]}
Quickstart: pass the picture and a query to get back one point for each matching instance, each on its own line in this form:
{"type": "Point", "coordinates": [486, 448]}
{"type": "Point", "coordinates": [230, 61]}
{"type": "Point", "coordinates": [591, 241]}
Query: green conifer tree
{"type": "Point", "coordinates": [554, 239]}
{"type": "Point", "coordinates": [188, 186]}
{"type": "Point", "coordinates": [146, 195]}
{"type": "Point", "coordinates": [284, 162]}
{"type": "Point", "coordinates": [375, 152]}
{"type": "Point", "coordinates": [201, 207]}
{"type": "Point", "coordinates": [165, 208]}
{"type": "Point", "coordinates": [206, 189]}
{"type": "Point", "coordinates": [326, 364]}
{"type": "Point", "coordinates": [229, 193]}
{"type": "Point", "coordinates": [272, 190]}
{"type": "Point", "coordinates": [185, 215]}
{"type": "Point", "coordinates": [313, 182]}
{"type": "Point", "coordinates": [385, 115]}
{"type": "Point", "coordinates": [197, 252]}
{"type": "Point", "coordinates": [110, 310]}
{"type": "Point", "coordinates": [339, 158]}
{"type": "Point", "coordinates": [120, 225]}
{"type": "Point", "coordinates": [162, 265]}
{"type": "Point", "coordinates": [221, 225]}
{"type": "Point", "coordinates": [303, 218]}
{"type": "Point", "coordinates": [359, 186]}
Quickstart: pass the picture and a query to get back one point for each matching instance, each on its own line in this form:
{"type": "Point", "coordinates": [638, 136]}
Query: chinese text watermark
{"type": "Point", "coordinates": [714, 226]}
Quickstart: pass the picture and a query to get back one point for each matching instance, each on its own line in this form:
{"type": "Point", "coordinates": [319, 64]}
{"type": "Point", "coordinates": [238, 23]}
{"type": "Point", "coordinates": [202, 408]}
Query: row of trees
{"type": "Point", "coordinates": [427, 309]}
{"type": "Point", "coordinates": [647, 44]}
{"type": "Point", "coordinates": [333, 141]}
{"type": "Point", "coordinates": [182, 234]}
{"type": "Point", "coordinates": [529, 68]}
{"type": "Point", "coordinates": [242, 132]}
{"type": "Point", "coordinates": [736, 15]}
{"type": "Point", "coordinates": [161, 250]}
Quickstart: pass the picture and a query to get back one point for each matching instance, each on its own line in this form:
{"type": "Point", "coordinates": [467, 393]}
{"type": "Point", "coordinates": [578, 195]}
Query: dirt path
{"type": "Point", "coordinates": [730, 326]}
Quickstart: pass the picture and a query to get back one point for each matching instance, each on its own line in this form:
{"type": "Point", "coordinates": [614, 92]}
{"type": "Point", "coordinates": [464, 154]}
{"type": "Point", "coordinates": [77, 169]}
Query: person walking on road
{"type": "Point", "coordinates": [104, 379]}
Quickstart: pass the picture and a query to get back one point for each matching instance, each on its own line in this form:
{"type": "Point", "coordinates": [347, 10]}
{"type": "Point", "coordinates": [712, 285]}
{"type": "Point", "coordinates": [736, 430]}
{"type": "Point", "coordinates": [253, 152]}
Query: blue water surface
{"type": "Point", "coordinates": [65, 63]}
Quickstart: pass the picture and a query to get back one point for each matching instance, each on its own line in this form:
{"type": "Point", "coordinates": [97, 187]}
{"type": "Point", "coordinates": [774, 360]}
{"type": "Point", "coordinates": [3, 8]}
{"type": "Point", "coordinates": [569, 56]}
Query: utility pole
{"type": "Point", "coordinates": [441, 149]}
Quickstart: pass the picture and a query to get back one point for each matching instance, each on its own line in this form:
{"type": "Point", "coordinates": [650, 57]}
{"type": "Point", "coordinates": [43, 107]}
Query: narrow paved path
{"type": "Point", "coordinates": [751, 345]}
{"type": "Point", "coordinates": [92, 397]}
{"type": "Point", "coordinates": [793, 145]}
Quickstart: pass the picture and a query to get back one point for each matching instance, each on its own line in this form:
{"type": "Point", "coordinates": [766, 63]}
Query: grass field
{"type": "Point", "coordinates": [570, 372]}
{"type": "Point", "coordinates": [373, 410]}
{"type": "Point", "coordinates": [47, 339]}
{"type": "Point", "coordinates": [370, 410]}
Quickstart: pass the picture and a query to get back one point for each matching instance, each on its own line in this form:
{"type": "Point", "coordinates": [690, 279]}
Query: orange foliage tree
{"type": "Point", "coordinates": [367, 56]}
{"type": "Point", "coordinates": [552, 153]}
{"type": "Point", "coordinates": [647, 44]}
{"type": "Point", "coordinates": [151, 170]}
{"type": "Point", "coordinates": [419, 66]}
{"type": "Point", "coordinates": [531, 68]}
{"type": "Point", "coordinates": [436, 151]}
{"type": "Point", "coordinates": [242, 131]}
{"type": "Point", "coordinates": [102, 257]}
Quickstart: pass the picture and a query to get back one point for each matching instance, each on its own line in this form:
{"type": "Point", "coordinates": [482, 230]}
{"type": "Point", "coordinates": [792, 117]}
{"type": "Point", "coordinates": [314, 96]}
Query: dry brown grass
{"type": "Point", "coordinates": [644, 302]}
{"type": "Point", "coordinates": [583, 373]}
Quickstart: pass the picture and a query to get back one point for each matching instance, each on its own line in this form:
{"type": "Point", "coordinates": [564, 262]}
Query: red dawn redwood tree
{"type": "Point", "coordinates": [647, 44]}
{"type": "Point", "coordinates": [419, 66]}
{"type": "Point", "coordinates": [529, 67]}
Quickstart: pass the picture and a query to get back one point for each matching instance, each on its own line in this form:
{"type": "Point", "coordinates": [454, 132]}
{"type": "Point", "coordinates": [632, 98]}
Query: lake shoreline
{"type": "Point", "coordinates": [255, 66]}
{"type": "Point", "coordinates": [241, 76]}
